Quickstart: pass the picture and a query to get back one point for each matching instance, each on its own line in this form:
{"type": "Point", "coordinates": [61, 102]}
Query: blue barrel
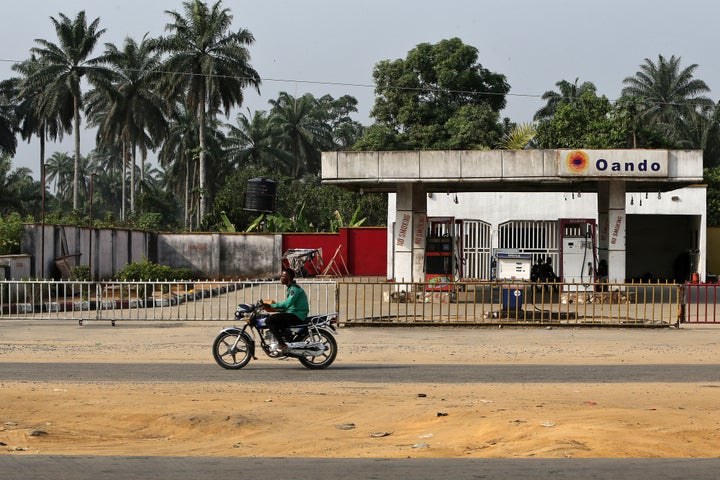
{"type": "Point", "coordinates": [512, 297]}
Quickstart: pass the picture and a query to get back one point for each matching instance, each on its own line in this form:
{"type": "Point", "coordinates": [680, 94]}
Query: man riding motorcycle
{"type": "Point", "coordinates": [293, 311]}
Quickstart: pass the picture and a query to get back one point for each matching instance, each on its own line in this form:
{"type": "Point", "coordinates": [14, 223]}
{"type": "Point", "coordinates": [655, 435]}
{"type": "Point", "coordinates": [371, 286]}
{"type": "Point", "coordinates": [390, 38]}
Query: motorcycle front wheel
{"type": "Point", "coordinates": [324, 359]}
{"type": "Point", "coordinates": [232, 350]}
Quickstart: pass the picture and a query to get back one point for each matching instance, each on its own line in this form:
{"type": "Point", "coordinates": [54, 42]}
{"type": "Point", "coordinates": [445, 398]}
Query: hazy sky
{"type": "Point", "coordinates": [331, 46]}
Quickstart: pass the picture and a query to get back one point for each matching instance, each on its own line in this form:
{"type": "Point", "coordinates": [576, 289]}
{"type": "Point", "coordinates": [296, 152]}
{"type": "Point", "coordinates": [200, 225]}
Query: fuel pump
{"type": "Point", "coordinates": [441, 253]}
{"type": "Point", "coordinates": [578, 258]}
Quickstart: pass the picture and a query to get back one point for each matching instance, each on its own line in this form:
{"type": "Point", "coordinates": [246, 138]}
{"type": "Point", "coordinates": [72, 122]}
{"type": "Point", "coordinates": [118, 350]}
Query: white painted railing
{"type": "Point", "coordinates": [159, 300]}
{"type": "Point", "coordinates": [359, 301]}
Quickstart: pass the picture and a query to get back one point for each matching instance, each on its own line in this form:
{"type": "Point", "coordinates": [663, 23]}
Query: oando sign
{"type": "Point", "coordinates": [613, 163]}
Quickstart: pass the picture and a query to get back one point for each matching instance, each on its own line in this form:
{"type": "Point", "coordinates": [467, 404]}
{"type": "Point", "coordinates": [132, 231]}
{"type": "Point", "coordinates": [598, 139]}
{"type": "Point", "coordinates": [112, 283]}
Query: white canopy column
{"type": "Point", "coordinates": [612, 219]}
{"type": "Point", "coordinates": [603, 234]}
{"type": "Point", "coordinates": [409, 235]}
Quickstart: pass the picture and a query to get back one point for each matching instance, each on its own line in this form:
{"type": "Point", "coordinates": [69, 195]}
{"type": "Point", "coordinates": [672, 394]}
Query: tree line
{"type": "Point", "coordinates": [173, 95]}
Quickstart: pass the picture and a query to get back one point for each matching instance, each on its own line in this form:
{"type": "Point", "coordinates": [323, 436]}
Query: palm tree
{"type": "Point", "coordinates": [667, 97]}
{"type": "Point", "coordinates": [48, 120]}
{"type": "Point", "coordinates": [208, 65]}
{"type": "Point", "coordinates": [61, 68]}
{"type": "Point", "coordinates": [18, 191]}
{"type": "Point", "coordinates": [569, 93]}
{"type": "Point", "coordinates": [8, 142]}
{"type": "Point", "coordinates": [106, 186]}
{"type": "Point", "coordinates": [151, 175]}
{"type": "Point", "coordinates": [303, 133]}
{"type": "Point", "coordinates": [519, 137]}
{"type": "Point", "coordinates": [106, 164]}
{"type": "Point", "coordinates": [128, 110]}
{"type": "Point", "coordinates": [252, 142]}
{"type": "Point", "coordinates": [177, 157]}
{"type": "Point", "coordinates": [702, 132]}
{"type": "Point", "coordinates": [59, 169]}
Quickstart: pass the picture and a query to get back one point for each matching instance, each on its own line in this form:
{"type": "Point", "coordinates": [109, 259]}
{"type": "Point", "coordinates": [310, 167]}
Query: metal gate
{"type": "Point", "coordinates": [477, 249]}
{"type": "Point", "coordinates": [701, 303]}
{"type": "Point", "coordinates": [539, 238]}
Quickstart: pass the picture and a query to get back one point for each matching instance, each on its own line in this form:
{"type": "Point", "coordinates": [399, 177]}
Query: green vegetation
{"type": "Point", "coordinates": [149, 271]}
{"type": "Point", "coordinates": [437, 98]}
{"type": "Point", "coordinates": [139, 98]}
{"type": "Point", "coordinates": [81, 273]}
{"type": "Point", "coordinates": [11, 228]}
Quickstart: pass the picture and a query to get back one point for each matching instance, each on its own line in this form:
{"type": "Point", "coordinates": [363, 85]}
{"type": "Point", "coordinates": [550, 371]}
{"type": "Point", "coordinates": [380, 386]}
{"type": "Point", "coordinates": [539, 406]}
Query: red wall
{"type": "Point", "coordinates": [369, 251]}
{"type": "Point", "coordinates": [362, 250]}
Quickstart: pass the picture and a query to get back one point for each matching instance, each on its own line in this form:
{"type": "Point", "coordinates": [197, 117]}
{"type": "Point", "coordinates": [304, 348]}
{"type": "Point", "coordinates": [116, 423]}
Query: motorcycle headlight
{"type": "Point", "coordinates": [245, 307]}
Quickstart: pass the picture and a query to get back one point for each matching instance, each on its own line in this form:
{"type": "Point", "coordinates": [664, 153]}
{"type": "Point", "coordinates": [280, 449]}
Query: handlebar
{"type": "Point", "coordinates": [265, 305]}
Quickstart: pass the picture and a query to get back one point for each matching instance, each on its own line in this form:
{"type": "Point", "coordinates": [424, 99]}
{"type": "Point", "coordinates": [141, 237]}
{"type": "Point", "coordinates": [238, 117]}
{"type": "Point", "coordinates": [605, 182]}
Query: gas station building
{"type": "Point", "coordinates": [609, 215]}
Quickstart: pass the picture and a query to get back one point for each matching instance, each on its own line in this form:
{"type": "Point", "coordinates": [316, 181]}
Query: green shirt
{"type": "Point", "coordinates": [295, 303]}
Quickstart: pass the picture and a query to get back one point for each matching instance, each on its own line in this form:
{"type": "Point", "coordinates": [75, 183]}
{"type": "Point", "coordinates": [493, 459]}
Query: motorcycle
{"type": "Point", "coordinates": [312, 343]}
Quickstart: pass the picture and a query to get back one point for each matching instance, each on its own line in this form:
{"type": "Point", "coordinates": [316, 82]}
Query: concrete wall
{"type": "Point", "coordinates": [110, 249]}
{"type": "Point", "coordinates": [226, 255]}
{"type": "Point", "coordinates": [209, 255]}
{"type": "Point", "coordinates": [15, 267]}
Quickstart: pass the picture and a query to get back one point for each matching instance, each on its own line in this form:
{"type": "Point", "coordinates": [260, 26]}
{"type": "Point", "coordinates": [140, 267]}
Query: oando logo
{"type": "Point", "coordinates": [577, 162]}
{"type": "Point", "coordinates": [613, 163]}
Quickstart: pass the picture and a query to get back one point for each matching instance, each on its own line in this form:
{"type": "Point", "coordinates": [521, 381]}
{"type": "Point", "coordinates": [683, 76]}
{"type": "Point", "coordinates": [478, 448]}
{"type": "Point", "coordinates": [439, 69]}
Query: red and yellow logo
{"type": "Point", "coordinates": [577, 161]}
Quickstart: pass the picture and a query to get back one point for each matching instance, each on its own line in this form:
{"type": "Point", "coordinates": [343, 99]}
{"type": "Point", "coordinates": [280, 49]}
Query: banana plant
{"type": "Point", "coordinates": [226, 226]}
{"type": "Point", "coordinates": [338, 223]}
{"type": "Point", "coordinates": [279, 223]}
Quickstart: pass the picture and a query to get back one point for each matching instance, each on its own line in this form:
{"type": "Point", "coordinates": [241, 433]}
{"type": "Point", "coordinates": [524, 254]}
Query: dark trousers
{"type": "Point", "coordinates": [278, 322]}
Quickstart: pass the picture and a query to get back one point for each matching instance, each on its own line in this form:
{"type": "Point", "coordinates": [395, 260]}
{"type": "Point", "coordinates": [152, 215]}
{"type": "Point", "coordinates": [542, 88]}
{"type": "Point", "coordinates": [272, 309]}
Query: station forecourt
{"type": "Point", "coordinates": [611, 176]}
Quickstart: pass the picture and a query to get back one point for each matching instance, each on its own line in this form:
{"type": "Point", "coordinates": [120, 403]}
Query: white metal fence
{"type": "Point", "coordinates": [367, 301]}
{"type": "Point", "coordinates": [160, 300]}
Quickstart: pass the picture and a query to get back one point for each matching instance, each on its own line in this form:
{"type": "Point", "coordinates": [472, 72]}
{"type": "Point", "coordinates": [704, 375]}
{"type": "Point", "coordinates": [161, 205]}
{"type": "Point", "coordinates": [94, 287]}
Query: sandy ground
{"type": "Point", "coordinates": [378, 420]}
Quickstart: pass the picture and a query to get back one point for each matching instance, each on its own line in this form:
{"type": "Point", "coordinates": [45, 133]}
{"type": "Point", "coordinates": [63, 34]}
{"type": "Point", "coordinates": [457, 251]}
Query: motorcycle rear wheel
{"type": "Point", "coordinates": [232, 352]}
{"type": "Point", "coordinates": [325, 359]}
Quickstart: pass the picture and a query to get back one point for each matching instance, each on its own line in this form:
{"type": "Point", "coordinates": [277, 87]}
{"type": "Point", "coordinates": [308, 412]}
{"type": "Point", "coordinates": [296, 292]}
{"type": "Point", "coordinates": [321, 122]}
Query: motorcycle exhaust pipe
{"type": "Point", "coordinates": [302, 348]}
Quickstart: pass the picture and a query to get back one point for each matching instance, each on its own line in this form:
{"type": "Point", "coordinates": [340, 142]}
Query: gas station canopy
{"type": "Point", "coordinates": [414, 174]}
{"type": "Point", "coordinates": [570, 170]}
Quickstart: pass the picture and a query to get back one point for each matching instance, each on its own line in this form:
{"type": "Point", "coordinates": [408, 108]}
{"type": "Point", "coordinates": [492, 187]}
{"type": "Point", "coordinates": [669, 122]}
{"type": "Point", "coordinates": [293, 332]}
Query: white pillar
{"type": "Point", "coordinates": [616, 224]}
{"type": "Point", "coordinates": [612, 220]}
{"type": "Point", "coordinates": [409, 235]}
{"type": "Point", "coordinates": [603, 227]}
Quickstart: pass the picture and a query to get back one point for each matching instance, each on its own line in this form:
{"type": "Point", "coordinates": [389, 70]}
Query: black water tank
{"type": "Point", "coordinates": [260, 196]}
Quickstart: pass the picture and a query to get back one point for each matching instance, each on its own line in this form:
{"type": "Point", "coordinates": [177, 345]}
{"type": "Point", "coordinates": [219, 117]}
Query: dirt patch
{"type": "Point", "coordinates": [377, 420]}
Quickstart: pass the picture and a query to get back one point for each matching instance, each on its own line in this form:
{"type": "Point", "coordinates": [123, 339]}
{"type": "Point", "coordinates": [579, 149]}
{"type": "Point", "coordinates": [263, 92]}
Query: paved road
{"type": "Point", "coordinates": [16, 467]}
{"type": "Point", "coordinates": [289, 371]}
{"type": "Point", "coordinates": [192, 468]}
